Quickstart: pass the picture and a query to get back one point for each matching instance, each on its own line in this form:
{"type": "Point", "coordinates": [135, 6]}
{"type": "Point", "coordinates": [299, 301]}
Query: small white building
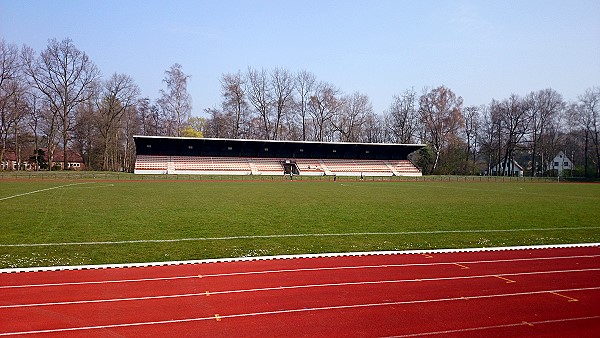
{"type": "Point", "coordinates": [512, 168]}
{"type": "Point", "coordinates": [560, 163]}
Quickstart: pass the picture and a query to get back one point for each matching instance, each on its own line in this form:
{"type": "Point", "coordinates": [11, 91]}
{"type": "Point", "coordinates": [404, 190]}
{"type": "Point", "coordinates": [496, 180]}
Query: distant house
{"type": "Point", "coordinates": [74, 159]}
{"type": "Point", "coordinates": [9, 160]}
{"type": "Point", "coordinates": [560, 163]}
{"type": "Point", "coordinates": [512, 168]}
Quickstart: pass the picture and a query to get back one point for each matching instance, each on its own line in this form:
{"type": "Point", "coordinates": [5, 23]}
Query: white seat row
{"type": "Point", "coordinates": [147, 164]}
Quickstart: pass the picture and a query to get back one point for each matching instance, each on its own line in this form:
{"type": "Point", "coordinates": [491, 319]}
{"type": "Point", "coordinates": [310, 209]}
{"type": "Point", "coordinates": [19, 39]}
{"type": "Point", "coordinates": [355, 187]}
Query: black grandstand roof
{"type": "Point", "coordinates": [188, 146]}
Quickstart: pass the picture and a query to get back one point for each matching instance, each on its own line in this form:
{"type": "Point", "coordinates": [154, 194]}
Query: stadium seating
{"type": "Point", "coordinates": [191, 165]}
{"type": "Point", "coordinates": [358, 168]}
{"type": "Point", "coordinates": [404, 168]}
{"type": "Point", "coordinates": [310, 167]}
{"type": "Point", "coordinates": [265, 166]}
{"type": "Point", "coordinates": [151, 164]}
{"type": "Point", "coordinates": [146, 164]}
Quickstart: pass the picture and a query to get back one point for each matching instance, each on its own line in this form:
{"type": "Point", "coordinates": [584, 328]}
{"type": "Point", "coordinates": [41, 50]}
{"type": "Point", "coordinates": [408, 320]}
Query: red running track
{"type": "Point", "coordinates": [534, 293]}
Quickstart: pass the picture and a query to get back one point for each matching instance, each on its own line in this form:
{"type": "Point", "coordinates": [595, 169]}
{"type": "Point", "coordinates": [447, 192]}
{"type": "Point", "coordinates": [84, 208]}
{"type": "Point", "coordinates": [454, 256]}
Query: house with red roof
{"type": "Point", "coordinates": [9, 160]}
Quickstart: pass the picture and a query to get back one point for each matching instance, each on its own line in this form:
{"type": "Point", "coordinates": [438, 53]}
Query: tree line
{"type": "Point", "coordinates": [57, 100]}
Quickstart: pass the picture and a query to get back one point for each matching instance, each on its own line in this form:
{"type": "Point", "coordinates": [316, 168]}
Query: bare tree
{"type": "Point", "coordinates": [472, 125]}
{"type": "Point", "coordinates": [235, 104]}
{"type": "Point", "coordinates": [404, 116]}
{"type": "Point", "coordinates": [323, 105]}
{"type": "Point", "coordinates": [131, 125]}
{"type": "Point", "coordinates": [119, 94]}
{"type": "Point", "coordinates": [49, 115]}
{"type": "Point", "coordinates": [349, 120]}
{"type": "Point", "coordinates": [487, 136]}
{"type": "Point", "coordinates": [373, 130]}
{"type": "Point", "coordinates": [305, 83]}
{"type": "Point", "coordinates": [86, 139]}
{"type": "Point", "coordinates": [12, 112]}
{"type": "Point", "coordinates": [588, 115]}
{"type": "Point", "coordinates": [260, 96]}
{"type": "Point", "coordinates": [282, 83]}
{"type": "Point", "coordinates": [514, 116]}
{"type": "Point", "coordinates": [63, 74]}
{"type": "Point", "coordinates": [176, 102]}
{"type": "Point", "coordinates": [149, 116]}
{"type": "Point", "coordinates": [291, 128]}
{"type": "Point", "coordinates": [219, 125]}
{"type": "Point", "coordinates": [11, 87]}
{"type": "Point", "coordinates": [545, 109]}
{"type": "Point", "coordinates": [441, 115]}
{"type": "Point", "coordinates": [36, 106]}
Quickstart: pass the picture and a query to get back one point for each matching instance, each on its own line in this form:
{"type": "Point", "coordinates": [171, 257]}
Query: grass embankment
{"type": "Point", "coordinates": [420, 215]}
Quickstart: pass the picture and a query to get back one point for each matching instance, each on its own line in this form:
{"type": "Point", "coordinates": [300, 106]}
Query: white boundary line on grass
{"type": "Point", "coordinates": [42, 190]}
{"type": "Point", "coordinates": [198, 239]}
{"type": "Point", "coordinates": [323, 255]}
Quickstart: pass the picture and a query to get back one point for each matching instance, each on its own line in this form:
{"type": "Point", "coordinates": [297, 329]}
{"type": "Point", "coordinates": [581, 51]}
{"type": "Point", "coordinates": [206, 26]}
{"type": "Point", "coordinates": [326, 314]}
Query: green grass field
{"type": "Point", "coordinates": [199, 218]}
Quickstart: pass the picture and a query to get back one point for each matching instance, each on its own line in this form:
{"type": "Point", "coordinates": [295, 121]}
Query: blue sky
{"type": "Point", "coordinates": [479, 49]}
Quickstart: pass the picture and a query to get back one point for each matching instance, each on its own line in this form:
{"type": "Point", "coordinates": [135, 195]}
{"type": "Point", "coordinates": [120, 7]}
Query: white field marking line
{"type": "Point", "coordinates": [299, 256]}
{"type": "Point", "coordinates": [197, 239]}
{"type": "Point", "coordinates": [100, 186]}
{"type": "Point", "coordinates": [500, 326]}
{"type": "Point", "coordinates": [333, 268]}
{"type": "Point", "coordinates": [291, 287]}
{"type": "Point", "coordinates": [276, 312]}
{"type": "Point", "coordinates": [42, 190]}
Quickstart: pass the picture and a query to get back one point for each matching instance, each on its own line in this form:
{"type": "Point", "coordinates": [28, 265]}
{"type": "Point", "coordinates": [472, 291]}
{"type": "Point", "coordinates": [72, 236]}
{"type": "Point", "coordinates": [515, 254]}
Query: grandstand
{"type": "Point", "coordinates": [206, 156]}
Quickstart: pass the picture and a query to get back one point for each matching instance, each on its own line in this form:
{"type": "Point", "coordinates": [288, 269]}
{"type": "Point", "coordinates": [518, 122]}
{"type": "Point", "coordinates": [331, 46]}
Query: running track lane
{"type": "Point", "coordinates": [538, 292]}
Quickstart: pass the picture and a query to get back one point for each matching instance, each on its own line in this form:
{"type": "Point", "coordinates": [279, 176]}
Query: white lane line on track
{"type": "Point", "coordinates": [292, 287]}
{"type": "Point", "coordinates": [300, 256]}
{"type": "Point", "coordinates": [334, 268]}
{"type": "Point", "coordinates": [42, 190]}
{"type": "Point", "coordinates": [490, 327]}
{"type": "Point", "coordinates": [197, 239]}
{"type": "Point", "coordinates": [276, 312]}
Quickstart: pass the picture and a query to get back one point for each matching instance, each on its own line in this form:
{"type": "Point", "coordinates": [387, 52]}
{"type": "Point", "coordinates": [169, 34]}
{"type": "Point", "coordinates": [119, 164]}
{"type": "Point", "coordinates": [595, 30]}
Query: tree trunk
{"type": "Point", "coordinates": [586, 154]}
{"type": "Point", "coordinates": [435, 163]}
